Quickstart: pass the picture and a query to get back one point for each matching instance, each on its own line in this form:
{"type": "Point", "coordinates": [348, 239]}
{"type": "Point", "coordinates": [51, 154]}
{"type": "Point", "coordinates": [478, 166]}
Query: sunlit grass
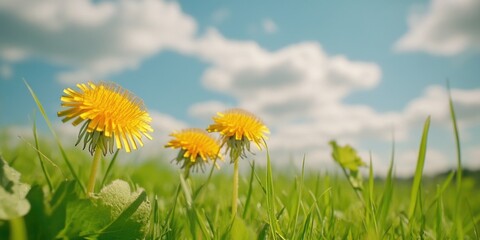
{"type": "Point", "coordinates": [272, 203]}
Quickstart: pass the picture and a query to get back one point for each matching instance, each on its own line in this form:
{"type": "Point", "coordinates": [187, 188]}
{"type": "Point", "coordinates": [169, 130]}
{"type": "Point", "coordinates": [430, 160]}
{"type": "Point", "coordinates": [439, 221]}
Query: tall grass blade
{"type": "Point", "coordinates": [109, 168]}
{"type": "Point", "coordinates": [299, 200]}
{"type": "Point", "coordinates": [250, 190]}
{"type": "Point", "coordinates": [386, 199]}
{"type": "Point", "coordinates": [439, 215]}
{"type": "Point", "coordinates": [155, 218]}
{"type": "Point", "coordinates": [37, 145]}
{"type": "Point", "coordinates": [59, 144]}
{"type": "Point", "coordinates": [474, 224]}
{"type": "Point", "coordinates": [441, 189]}
{"type": "Point", "coordinates": [457, 139]}
{"type": "Point", "coordinates": [274, 229]}
{"type": "Point", "coordinates": [458, 222]}
{"type": "Point", "coordinates": [417, 180]}
{"type": "Point", "coordinates": [44, 157]}
{"type": "Point", "coordinates": [270, 199]}
{"type": "Point", "coordinates": [370, 209]}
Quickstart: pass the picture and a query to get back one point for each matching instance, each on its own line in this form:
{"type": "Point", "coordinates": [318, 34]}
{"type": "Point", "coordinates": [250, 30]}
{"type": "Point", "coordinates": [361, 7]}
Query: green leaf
{"type": "Point", "coordinates": [13, 203]}
{"type": "Point", "coordinates": [115, 213]}
{"type": "Point", "coordinates": [346, 156]}
{"type": "Point", "coordinates": [52, 212]}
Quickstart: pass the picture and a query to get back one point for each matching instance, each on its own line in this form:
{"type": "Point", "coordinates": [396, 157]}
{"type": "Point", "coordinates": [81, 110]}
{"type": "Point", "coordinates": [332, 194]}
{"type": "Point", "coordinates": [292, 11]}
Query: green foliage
{"type": "Point", "coordinates": [350, 162]}
{"type": "Point", "coordinates": [51, 211]}
{"type": "Point", "coordinates": [346, 156]}
{"type": "Point", "coordinates": [303, 205]}
{"type": "Point", "coordinates": [116, 213]}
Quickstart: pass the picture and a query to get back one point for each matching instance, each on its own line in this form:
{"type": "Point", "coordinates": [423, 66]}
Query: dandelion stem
{"type": "Point", "coordinates": [235, 187]}
{"type": "Point", "coordinates": [186, 172]}
{"type": "Point", "coordinates": [18, 230]}
{"type": "Point", "coordinates": [94, 169]}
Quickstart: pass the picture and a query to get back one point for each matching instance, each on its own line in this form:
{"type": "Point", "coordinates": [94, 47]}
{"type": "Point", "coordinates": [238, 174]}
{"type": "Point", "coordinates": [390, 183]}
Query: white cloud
{"type": "Point", "coordinates": [434, 102]}
{"type": "Point", "coordinates": [206, 110]}
{"type": "Point", "coordinates": [299, 83]}
{"type": "Point", "coordinates": [448, 27]}
{"type": "Point", "coordinates": [298, 91]}
{"type": "Point", "coordinates": [435, 162]}
{"type": "Point", "coordinates": [472, 157]}
{"type": "Point", "coordinates": [6, 71]}
{"type": "Point", "coordinates": [95, 39]}
{"type": "Point", "coordinates": [269, 26]}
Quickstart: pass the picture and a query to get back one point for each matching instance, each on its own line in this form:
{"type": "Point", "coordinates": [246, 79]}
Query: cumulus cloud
{"type": "Point", "coordinates": [206, 110]}
{"type": "Point", "coordinates": [448, 27]}
{"type": "Point", "coordinates": [297, 84]}
{"type": "Point", "coordinates": [435, 162]}
{"type": "Point", "coordinates": [434, 102]}
{"type": "Point", "coordinates": [95, 39]}
{"type": "Point", "coordinates": [298, 91]}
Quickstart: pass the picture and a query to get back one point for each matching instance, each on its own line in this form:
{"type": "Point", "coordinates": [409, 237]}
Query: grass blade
{"type": "Point", "coordinates": [49, 124]}
{"type": "Point", "coordinates": [299, 200]}
{"type": "Point", "coordinates": [417, 180]}
{"type": "Point", "coordinates": [250, 190]}
{"type": "Point", "coordinates": [439, 215]}
{"type": "Point", "coordinates": [370, 209]}
{"type": "Point", "coordinates": [386, 199]}
{"type": "Point", "coordinates": [109, 169]}
{"type": "Point", "coordinates": [274, 228]}
{"type": "Point", "coordinates": [270, 199]}
{"type": "Point", "coordinates": [457, 140]}
{"type": "Point", "coordinates": [458, 221]}
{"type": "Point", "coordinates": [37, 145]}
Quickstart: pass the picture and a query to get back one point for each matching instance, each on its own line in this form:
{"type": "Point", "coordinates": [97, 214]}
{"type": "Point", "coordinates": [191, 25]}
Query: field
{"type": "Point", "coordinates": [153, 199]}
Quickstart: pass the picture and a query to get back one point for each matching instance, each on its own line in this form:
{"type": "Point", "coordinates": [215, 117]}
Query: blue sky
{"type": "Point", "coordinates": [312, 70]}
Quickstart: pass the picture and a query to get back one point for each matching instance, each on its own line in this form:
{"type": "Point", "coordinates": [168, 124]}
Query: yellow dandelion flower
{"type": "Point", "coordinates": [238, 128]}
{"type": "Point", "coordinates": [196, 147]}
{"type": "Point", "coordinates": [111, 115]}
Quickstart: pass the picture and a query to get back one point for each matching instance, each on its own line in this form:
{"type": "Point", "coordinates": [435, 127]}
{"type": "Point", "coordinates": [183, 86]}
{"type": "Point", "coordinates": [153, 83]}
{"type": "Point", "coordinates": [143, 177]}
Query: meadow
{"type": "Point", "coordinates": [153, 199]}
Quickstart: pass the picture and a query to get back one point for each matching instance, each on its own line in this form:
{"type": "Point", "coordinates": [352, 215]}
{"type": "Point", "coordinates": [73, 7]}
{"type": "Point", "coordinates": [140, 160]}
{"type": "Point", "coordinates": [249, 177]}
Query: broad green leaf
{"type": "Point", "coordinates": [13, 203]}
{"type": "Point", "coordinates": [346, 156]}
{"type": "Point", "coordinates": [115, 213]}
{"type": "Point", "coordinates": [52, 212]}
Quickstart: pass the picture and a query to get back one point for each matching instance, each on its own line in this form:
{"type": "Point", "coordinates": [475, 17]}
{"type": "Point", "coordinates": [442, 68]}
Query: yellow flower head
{"type": "Point", "coordinates": [111, 115]}
{"type": "Point", "coordinates": [238, 128]}
{"type": "Point", "coordinates": [196, 147]}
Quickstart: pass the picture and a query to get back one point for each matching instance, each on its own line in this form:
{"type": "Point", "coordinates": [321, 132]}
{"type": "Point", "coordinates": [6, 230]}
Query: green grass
{"type": "Point", "coordinates": [273, 203]}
